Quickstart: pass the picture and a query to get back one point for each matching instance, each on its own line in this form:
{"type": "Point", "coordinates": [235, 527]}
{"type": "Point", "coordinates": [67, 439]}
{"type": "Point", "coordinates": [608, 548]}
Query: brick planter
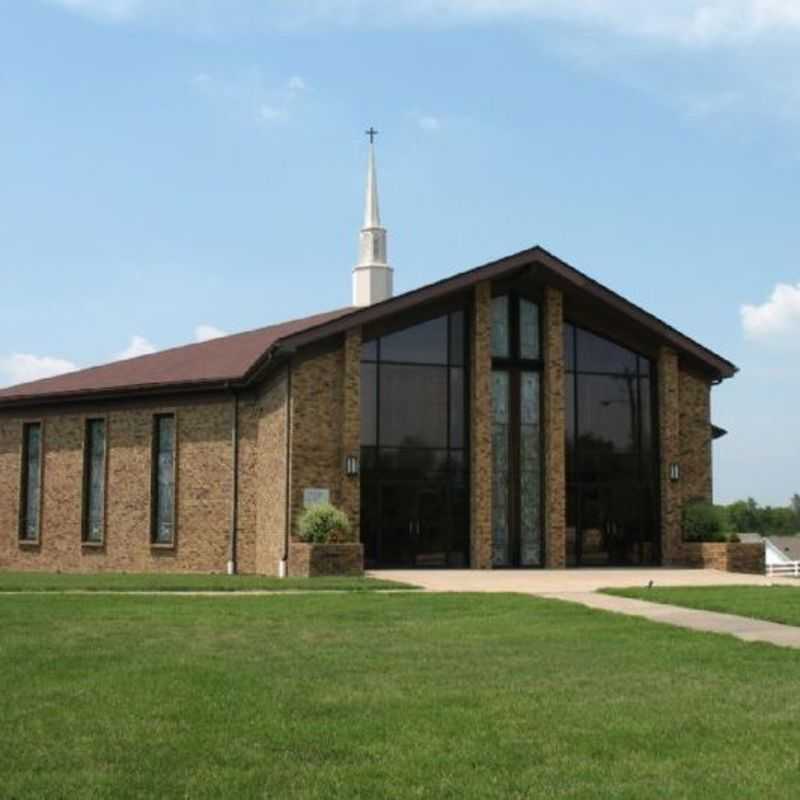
{"type": "Point", "coordinates": [313, 560]}
{"type": "Point", "coordinates": [725, 556]}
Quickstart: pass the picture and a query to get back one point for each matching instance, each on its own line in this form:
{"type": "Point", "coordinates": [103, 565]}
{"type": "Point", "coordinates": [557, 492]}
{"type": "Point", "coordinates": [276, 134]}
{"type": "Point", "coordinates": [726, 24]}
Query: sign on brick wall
{"type": "Point", "coordinates": [315, 497]}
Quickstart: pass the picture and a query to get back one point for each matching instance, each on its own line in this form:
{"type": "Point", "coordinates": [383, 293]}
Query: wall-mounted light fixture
{"type": "Point", "coordinates": [351, 466]}
{"type": "Point", "coordinates": [674, 471]}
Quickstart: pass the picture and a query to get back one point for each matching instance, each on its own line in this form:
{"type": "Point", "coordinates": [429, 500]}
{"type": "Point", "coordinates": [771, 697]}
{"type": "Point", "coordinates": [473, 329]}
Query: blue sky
{"type": "Point", "coordinates": [175, 169]}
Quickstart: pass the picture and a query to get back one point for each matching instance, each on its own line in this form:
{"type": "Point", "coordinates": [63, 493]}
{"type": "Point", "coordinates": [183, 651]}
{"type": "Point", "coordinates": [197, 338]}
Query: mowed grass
{"type": "Point", "coordinates": [376, 695]}
{"type": "Point", "coordinates": [132, 582]}
{"type": "Point", "coordinates": [773, 603]}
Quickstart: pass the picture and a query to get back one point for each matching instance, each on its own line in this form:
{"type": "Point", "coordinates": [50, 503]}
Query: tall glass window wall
{"type": "Point", "coordinates": [612, 462]}
{"type": "Point", "coordinates": [414, 445]}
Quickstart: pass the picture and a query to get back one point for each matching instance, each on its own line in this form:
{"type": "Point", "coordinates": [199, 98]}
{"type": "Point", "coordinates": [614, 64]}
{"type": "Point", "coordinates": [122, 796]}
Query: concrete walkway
{"type": "Point", "coordinates": [745, 628]}
{"type": "Point", "coordinates": [581, 586]}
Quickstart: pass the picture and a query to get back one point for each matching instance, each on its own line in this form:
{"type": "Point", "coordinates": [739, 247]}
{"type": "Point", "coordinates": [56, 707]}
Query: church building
{"type": "Point", "coordinates": [518, 414]}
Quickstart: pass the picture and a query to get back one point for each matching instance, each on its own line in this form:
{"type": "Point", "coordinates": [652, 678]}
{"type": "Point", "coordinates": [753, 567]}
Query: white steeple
{"type": "Point", "coordinates": [372, 276]}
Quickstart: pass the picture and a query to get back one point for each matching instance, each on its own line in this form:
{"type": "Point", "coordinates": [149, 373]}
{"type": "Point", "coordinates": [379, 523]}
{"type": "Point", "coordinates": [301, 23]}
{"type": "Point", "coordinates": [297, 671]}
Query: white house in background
{"type": "Point", "coordinates": [778, 550]}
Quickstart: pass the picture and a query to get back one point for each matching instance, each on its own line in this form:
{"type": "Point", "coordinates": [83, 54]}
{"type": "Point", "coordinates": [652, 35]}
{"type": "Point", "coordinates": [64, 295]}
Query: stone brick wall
{"type": "Point", "coordinates": [270, 474]}
{"type": "Point", "coordinates": [249, 481]}
{"type": "Point", "coordinates": [481, 428]}
{"type": "Point", "coordinates": [203, 491]}
{"type": "Point", "coordinates": [728, 557]}
{"type": "Point", "coordinates": [326, 425]}
{"type": "Point", "coordinates": [555, 513]}
{"type": "Point", "coordinates": [685, 439]}
{"type": "Point", "coordinates": [695, 439]}
{"type": "Point", "coordinates": [670, 448]}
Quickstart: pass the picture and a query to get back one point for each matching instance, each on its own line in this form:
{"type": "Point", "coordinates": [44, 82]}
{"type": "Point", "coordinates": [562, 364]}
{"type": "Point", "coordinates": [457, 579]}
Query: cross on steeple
{"type": "Point", "coordinates": [372, 133]}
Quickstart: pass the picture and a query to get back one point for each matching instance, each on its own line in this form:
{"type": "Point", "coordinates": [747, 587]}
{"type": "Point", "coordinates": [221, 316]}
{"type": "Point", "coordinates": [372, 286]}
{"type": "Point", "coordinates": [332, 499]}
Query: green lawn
{"type": "Point", "coordinates": [774, 603]}
{"type": "Point", "coordinates": [114, 582]}
{"type": "Point", "coordinates": [375, 695]}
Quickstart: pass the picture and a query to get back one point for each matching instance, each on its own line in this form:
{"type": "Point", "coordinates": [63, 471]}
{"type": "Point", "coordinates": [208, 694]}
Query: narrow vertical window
{"type": "Point", "coordinates": [501, 435]}
{"type": "Point", "coordinates": [31, 500]}
{"type": "Point", "coordinates": [501, 335]}
{"type": "Point", "coordinates": [94, 465]}
{"type": "Point", "coordinates": [528, 330]}
{"type": "Point", "coordinates": [163, 531]}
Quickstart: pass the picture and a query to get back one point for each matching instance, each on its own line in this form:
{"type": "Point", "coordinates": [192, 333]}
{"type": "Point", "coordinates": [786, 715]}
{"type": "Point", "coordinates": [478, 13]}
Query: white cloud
{"type": "Point", "coordinates": [777, 319]}
{"type": "Point", "coordinates": [250, 96]}
{"type": "Point", "coordinates": [685, 21]}
{"type": "Point", "coordinates": [23, 367]}
{"type": "Point", "coordinates": [429, 123]}
{"type": "Point", "coordinates": [269, 113]}
{"type": "Point", "coordinates": [139, 346]}
{"type": "Point", "coordinates": [202, 333]}
{"type": "Point", "coordinates": [111, 10]}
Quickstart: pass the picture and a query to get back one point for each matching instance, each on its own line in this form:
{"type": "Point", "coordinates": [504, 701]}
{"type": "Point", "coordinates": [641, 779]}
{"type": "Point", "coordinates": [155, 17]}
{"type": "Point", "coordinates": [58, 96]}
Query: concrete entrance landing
{"type": "Point", "coordinates": [557, 581]}
{"type": "Point", "coordinates": [581, 586]}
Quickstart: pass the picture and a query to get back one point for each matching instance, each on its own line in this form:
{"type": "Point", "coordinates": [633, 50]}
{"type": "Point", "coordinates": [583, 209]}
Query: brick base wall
{"type": "Point", "coordinates": [315, 560]}
{"type": "Point", "coordinates": [725, 556]}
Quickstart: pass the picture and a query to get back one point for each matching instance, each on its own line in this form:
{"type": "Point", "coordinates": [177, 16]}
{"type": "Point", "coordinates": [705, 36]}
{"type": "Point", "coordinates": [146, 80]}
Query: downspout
{"type": "Point", "coordinates": [283, 565]}
{"type": "Point", "coordinates": [232, 544]}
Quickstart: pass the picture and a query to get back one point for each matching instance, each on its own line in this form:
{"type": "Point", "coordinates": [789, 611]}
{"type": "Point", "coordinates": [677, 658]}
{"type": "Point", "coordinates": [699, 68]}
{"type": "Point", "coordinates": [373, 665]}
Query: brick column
{"type": "Point", "coordinates": [481, 429]}
{"type": "Point", "coordinates": [669, 444]}
{"type": "Point", "coordinates": [351, 428]}
{"type": "Point", "coordinates": [555, 532]}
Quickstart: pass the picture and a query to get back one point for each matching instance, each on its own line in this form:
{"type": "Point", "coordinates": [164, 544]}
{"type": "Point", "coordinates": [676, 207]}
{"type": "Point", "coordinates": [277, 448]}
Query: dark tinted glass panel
{"type": "Point", "coordinates": [569, 346]}
{"type": "Point", "coordinates": [572, 525]}
{"type": "Point", "coordinates": [95, 479]}
{"type": "Point", "coordinates": [607, 408]}
{"type": "Point", "coordinates": [32, 474]}
{"type": "Point", "coordinates": [408, 463]}
{"type": "Point", "coordinates": [456, 407]}
{"type": "Point", "coordinates": [596, 354]}
{"type": "Point", "coordinates": [164, 483]}
{"type": "Point", "coordinates": [457, 338]}
{"type": "Point", "coordinates": [569, 410]}
{"type": "Point", "coordinates": [369, 350]}
{"type": "Point", "coordinates": [369, 459]}
{"type": "Point", "coordinates": [606, 465]}
{"type": "Point", "coordinates": [369, 404]}
{"type": "Point", "coordinates": [425, 343]}
{"type": "Point", "coordinates": [413, 409]}
{"type": "Point", "coordinates": [458, 462]}
{"type": "Point", "coordinates": [459, 547]}
{"type": "Point", "coordinates": [612, 517]}
{"type": "Point", "coordinates": [648, 443]}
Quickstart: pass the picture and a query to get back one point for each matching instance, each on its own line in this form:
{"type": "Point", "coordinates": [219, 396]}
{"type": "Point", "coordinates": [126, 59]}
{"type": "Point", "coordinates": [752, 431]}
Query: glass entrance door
{"type": "Point", "coordinates": [415, 524]}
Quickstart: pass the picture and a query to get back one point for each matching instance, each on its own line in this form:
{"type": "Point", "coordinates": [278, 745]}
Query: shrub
{"type": "Point", "coordinates": [703, 522]}
{"type": "Point", "coordinates": [323, 524]}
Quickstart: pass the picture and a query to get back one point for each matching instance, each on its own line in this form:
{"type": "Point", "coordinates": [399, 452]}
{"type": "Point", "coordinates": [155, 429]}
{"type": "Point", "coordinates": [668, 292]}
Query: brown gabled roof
{"type": "Point", "coordinates": [228, 359]}
{"type": "Point", "coordinates": [236, 359]}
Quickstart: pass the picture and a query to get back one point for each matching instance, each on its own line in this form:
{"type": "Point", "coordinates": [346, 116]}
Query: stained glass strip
{"type": "Point", "coordinates": [500, 468]}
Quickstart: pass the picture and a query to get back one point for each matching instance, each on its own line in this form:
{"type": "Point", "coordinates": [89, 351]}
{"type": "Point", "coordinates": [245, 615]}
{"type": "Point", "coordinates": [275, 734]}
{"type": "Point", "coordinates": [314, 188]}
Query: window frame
{"type": "Point", "coordinates": [154, 544]}
{"type": "Point", "coordinates": [22, 519]}
{"type": "Point", "coordinates": [85, 541]}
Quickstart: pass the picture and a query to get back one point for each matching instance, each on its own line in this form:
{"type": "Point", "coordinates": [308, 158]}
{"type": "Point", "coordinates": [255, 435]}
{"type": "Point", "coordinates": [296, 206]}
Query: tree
{"type": "Point", "coordinates": [744, 516]}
